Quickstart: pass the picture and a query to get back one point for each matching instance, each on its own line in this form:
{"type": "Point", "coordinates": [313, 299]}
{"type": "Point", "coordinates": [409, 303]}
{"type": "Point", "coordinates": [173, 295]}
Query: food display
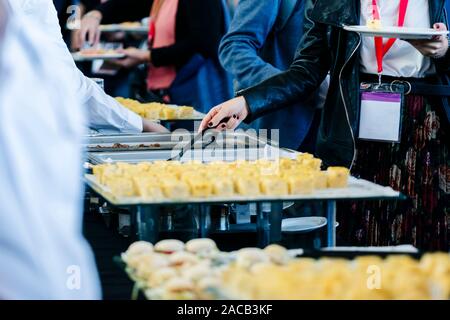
{"type": "Point", "coordinates": [374, 24]}
{"type": "Point", "coordinates": [91, 54]}
{"type": "Point", "coordinates": [198, 270]}
{"type": "Point", "coordinates": [129, 24]}
{"type": "Point", "coordinates": [96, 52]}
{"type": "Point", "coordinates": [174, 270]}
{"type": "Point", "coordinates": [157, 111]}
{"type": "Point", "coordinates": [128, 146]}
{"type": "Point", "coordinates": [364, 278]}
{"type": "Point", "coordinates": [125, 27]}
{"type": "Point", "coordinates": [175, 180]}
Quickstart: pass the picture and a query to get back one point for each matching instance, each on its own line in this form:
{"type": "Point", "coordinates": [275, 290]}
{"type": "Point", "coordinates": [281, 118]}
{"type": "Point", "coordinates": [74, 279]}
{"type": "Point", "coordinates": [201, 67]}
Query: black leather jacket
{"type": "Point", "coordinates": [327, 47]}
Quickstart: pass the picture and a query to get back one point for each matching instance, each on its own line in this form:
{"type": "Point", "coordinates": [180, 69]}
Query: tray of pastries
{"type": "Point", "coordinates": [368, 277]}
{"type": "Point", "coordinates": [160, 111]}
{"type": "Point", "coordinates": [166, 182]}
{"type": "Point", "coordinates": [174, 270]}
{"type": "Point", "coordinates": [132, 27]}
{"type": "Point", "coordinates": [97, 53]}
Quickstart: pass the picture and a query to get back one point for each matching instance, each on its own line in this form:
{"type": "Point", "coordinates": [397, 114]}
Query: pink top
{"type": "Point", "coordinates": [164, 24]}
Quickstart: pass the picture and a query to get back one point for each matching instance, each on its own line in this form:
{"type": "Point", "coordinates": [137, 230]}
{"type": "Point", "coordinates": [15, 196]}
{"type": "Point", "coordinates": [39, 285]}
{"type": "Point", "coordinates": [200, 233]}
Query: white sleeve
{"type": "Point", "coordinates": [103, 111]}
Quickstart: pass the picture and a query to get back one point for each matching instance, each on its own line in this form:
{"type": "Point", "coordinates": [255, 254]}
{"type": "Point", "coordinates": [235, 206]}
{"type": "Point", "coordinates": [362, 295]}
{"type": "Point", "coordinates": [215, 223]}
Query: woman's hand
{"type": "Point", "coordinates": [150, 126]}
{"type": "Point", "coordinates": [134, 57]}
{"type": "Point", "coordinates": [90, 28]}
{"type": "Point", "coordinates": [236, 109]}
{"type": "Point", "coordinates": [435, 48]}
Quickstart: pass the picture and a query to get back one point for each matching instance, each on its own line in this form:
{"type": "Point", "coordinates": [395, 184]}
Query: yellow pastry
{"type": "Point", "coordinates": [304, 156]}
{"type": "Point", "coordinates": [300, 184]}
{"type": "Point", "coordinates": [174, 189]}
{"type": "Point", "coordinates": [338, 177]}
{"type": "Point", "coordinates": [120, 186]}
{"type": "Point", "coordinates": [320, 180]}
{"type": "Point", "coordinates": [374, 24]}
{"type": "Point", "coordinates": [185, 112]}
{"type": "Point", "coordinates": [200, 188]}
{"type": "Point", "coordinates": [222, 187]}
{"type": "Point", "coordinates": [152, 113]}
{"type": "Point", "coordinates": [168, 113]}
{"type": "Point", "coordinates": [313, 164]}
{"type": "Point", "coordinates": [246, 186]}
{"type": "Point", "coordinates": [274, 186]}
{"type": "Point", "coordinates": [147, 187]}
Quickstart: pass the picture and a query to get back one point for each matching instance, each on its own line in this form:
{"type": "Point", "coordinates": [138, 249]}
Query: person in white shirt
{"type": "Point", "coordinates": [43, 254]}
{"type": "Point", "coordinates": [104, 113]}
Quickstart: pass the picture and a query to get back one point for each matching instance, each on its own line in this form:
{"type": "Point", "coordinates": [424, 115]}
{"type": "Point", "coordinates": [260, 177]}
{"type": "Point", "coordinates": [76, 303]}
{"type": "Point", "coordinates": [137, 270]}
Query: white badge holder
{"type": "Point", "coordinates": [380, 114]}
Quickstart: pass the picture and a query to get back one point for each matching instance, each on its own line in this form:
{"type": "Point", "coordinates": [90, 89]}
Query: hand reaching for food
{"type": "Point", "coordinates": [151, 126]}
{"type": "Point", "coordinates": [236, 110]}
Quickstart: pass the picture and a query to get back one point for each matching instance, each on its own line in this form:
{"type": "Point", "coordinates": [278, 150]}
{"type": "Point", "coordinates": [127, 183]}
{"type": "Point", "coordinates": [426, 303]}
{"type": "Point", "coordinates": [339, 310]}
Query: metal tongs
{"type": "Point", "coordinates": [195, 139]}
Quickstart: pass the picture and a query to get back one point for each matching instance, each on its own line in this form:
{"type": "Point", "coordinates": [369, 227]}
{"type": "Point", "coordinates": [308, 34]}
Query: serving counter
{"type": "Point", "coordinates": [146, 210]}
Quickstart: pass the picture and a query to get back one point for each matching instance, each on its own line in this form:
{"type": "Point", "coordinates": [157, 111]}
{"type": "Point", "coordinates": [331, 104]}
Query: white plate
{"type": "Point", "coordinates": [396, 32]}
{"type": "Point", "coordinates": [122, 28]}
{"type": "Point", "coordinates": [89, 57]}
{"type": "Point", "coordinates": [303, 224]}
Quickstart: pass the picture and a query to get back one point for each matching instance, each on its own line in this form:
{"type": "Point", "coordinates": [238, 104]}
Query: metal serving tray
{"type": "Point", "coordinates": [169, 141]}
{"type": "Point", "coordinates": [205, 155]}
{"type": "Point", "coordinates": [357, 189]}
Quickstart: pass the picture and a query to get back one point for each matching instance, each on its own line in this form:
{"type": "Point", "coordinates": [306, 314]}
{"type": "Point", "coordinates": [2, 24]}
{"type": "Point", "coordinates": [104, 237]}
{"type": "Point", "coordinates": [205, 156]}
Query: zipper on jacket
{"type": "Point", "coordinates": [343, 99]}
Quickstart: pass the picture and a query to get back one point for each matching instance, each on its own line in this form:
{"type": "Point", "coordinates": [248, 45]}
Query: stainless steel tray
{"type": "Point", "coordinates": [169, 141]}
{"type": "Point", "coordinates": [206, 155]}
{"type": "Point", "coordinates": [357, 189]}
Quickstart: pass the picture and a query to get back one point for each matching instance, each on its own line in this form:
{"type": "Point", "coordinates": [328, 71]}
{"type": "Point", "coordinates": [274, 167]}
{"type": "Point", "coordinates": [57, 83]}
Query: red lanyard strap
{"type": "Point", "coordinates": [380, 49]}
{"type": "Point", "coordinates": [156, 8]}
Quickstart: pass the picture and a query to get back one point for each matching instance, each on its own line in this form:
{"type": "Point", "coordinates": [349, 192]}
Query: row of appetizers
{"type": "Point", "coordinates": [176, 180]}
{"type": "Point", "coordinates": [157, 111]}
{"type": "Point", "coordinates": [198, 270]}
{"type": "Point", "coordinates": [173, 270]}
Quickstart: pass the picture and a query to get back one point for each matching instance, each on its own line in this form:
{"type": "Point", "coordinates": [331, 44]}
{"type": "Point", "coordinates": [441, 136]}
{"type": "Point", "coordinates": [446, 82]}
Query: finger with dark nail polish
{"type": "Point", "coordinates": [210, 124]}
{"type": "Point", "coordinates": [234, 116]}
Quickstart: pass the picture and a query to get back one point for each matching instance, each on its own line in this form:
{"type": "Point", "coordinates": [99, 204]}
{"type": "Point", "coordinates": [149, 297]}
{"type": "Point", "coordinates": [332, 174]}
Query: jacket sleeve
{"type": "Point", "coordinates": [238, 52]}
{"type": "Point", "coordinates": [304, 76]}
{"type": "Point", "coordinates": [443, 64]}
{"type": "Point", "coordinates": [117, 11]}
{"type": "Point", "coordinates": [205, 28]}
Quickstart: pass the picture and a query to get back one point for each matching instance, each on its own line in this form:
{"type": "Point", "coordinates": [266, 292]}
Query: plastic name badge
{"type": "Point", "coordinates": [380, 116]}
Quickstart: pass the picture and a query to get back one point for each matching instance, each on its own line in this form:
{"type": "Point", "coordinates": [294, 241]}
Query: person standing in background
{"type": "Point", "coordinates": [261, 43]}
{"type": "Point", "coordinates": [104, 112]}
{"type": "Point", "coordinates": [405, 146]}
{"type": "Point", "coordinates": [181, 55]}
{"type": "Point", "coordinates": [43, 254]}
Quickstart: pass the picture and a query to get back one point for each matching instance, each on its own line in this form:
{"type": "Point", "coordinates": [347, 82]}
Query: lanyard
{"type": "Point", "coordinates": [382, 49]}
{"type": "Point", "coordinates": [156, 8]}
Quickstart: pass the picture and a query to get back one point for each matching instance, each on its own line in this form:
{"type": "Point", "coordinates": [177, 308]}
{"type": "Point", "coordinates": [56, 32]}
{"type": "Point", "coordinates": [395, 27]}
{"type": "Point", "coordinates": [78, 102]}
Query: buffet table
{"type": "Point", "coordinates": [157, 147]}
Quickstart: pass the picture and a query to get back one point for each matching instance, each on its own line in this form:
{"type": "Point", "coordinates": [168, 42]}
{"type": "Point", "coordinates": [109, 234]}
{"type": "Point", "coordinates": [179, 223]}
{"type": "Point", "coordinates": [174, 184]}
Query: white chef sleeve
{"type": "Point", "coordinates": [103, 111]}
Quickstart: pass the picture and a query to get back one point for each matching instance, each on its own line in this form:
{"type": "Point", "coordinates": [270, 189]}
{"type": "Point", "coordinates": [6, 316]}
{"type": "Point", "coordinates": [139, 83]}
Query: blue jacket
{"type": "Point", "coordinates": [253, 52]}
